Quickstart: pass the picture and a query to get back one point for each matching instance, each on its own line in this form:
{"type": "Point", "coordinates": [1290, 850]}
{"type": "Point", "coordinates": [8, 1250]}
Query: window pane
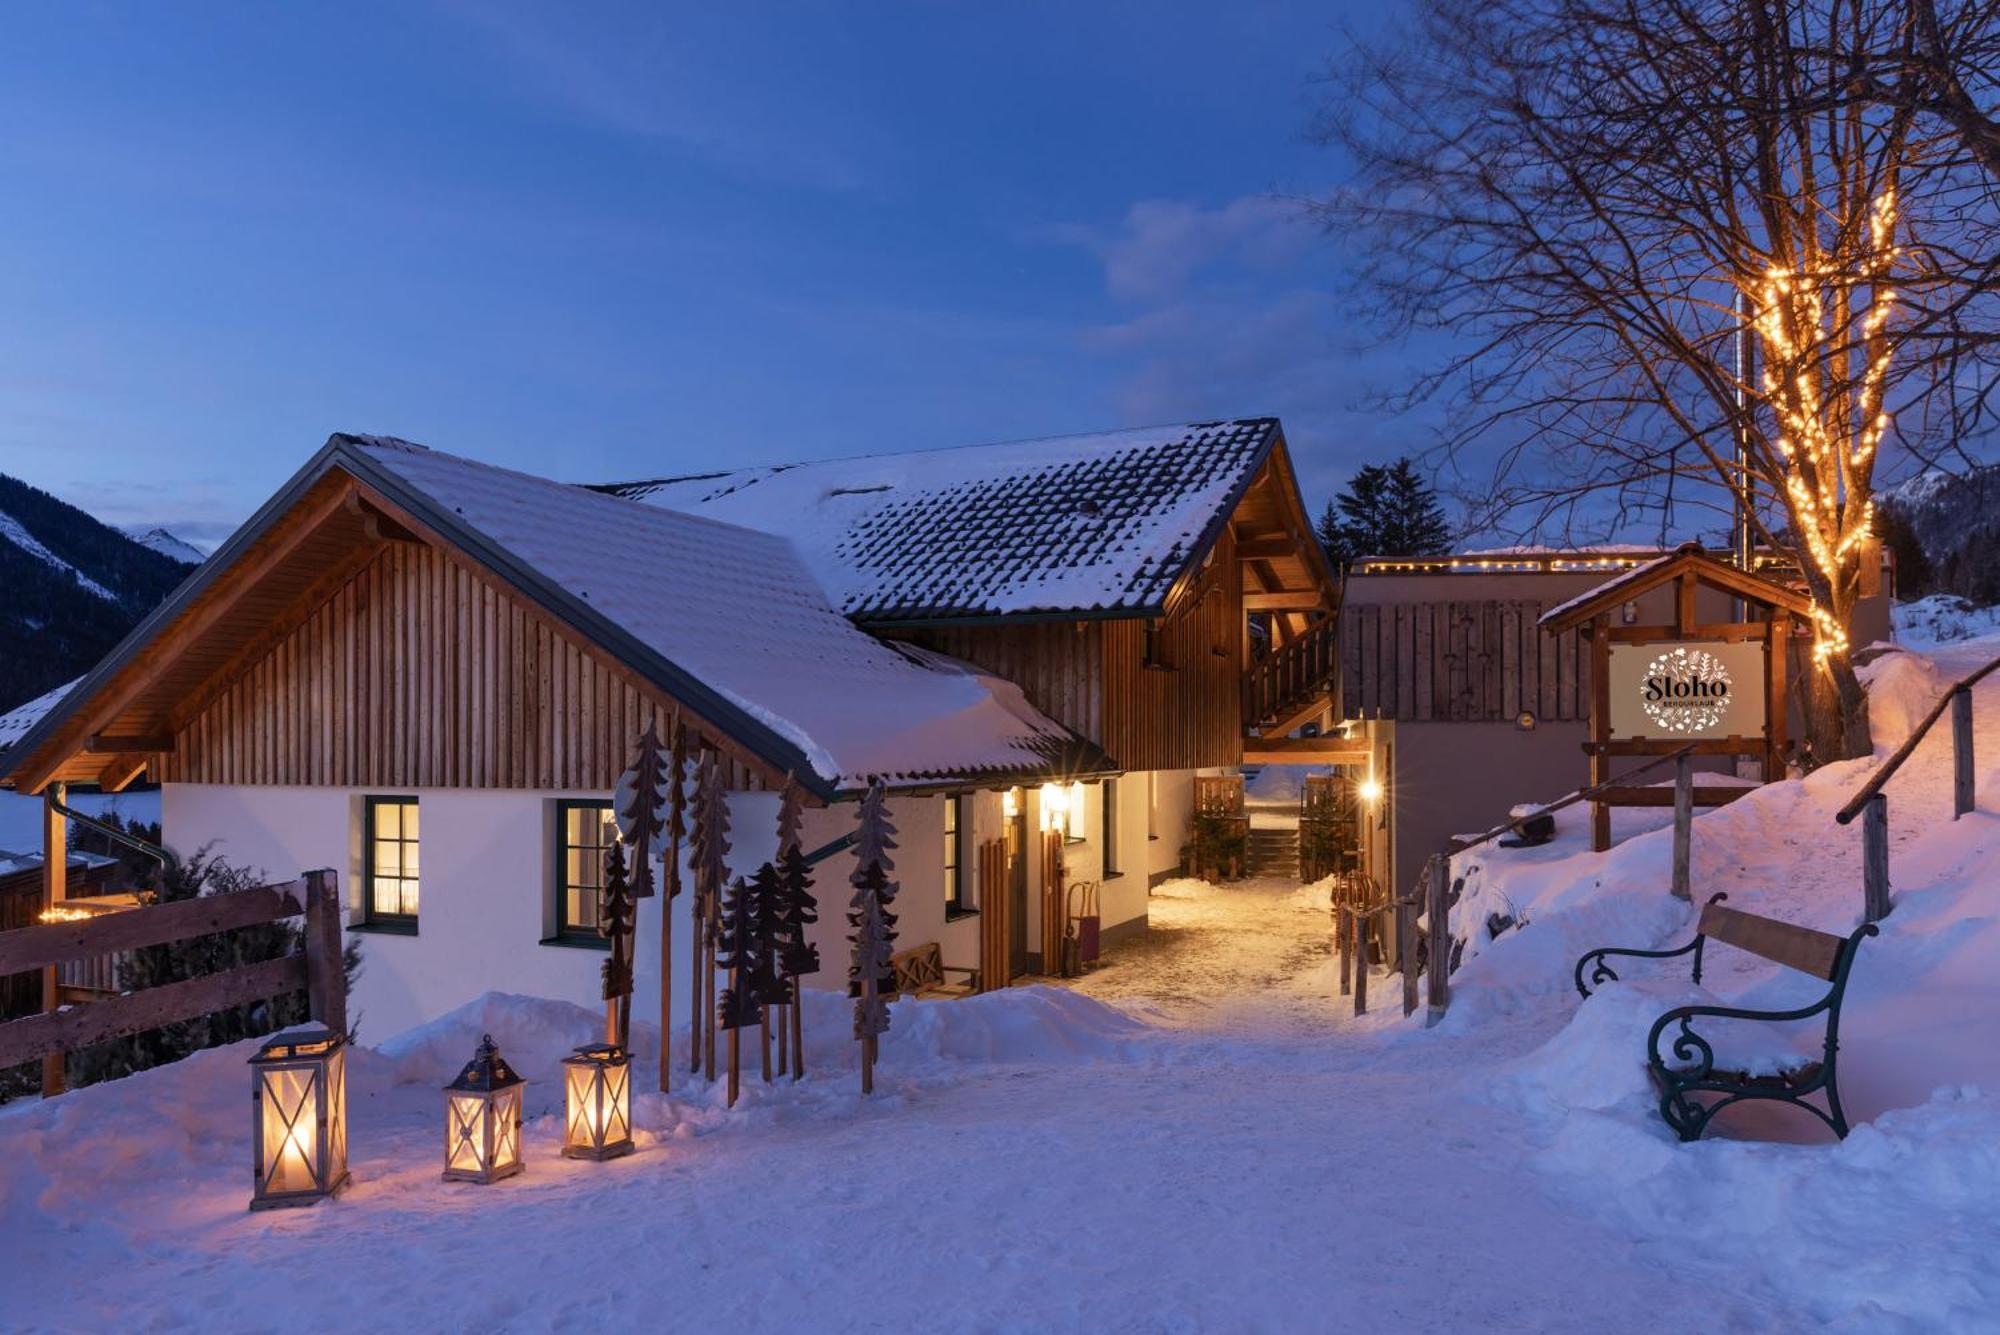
{"type": "Point", "coordinates": [409, 810]}
{"type": "Point", "coordinates": [388, 820]}
{"type": "Point", "coordinates": [410, 898]}
{"type": "Point", "coordinates": [410, 868]}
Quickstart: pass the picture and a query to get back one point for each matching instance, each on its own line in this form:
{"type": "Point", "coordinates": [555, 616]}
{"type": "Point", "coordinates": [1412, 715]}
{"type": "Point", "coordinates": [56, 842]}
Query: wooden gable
{"type": "Point", "coordinates": [341, 641]}
{"type": "Point", "coordinates": [1685, 568]}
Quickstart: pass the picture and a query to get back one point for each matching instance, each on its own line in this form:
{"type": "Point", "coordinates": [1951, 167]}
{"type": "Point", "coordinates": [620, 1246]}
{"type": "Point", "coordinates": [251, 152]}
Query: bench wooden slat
{"type": "Point", "coordinates": [1783, 943]}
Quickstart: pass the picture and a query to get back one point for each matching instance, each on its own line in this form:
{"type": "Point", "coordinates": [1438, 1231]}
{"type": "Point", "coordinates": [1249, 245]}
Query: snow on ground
{"type": "Point", "coordinates": [1198, 1136]}
{"type": "Point", "coordinates": [1942, 618]}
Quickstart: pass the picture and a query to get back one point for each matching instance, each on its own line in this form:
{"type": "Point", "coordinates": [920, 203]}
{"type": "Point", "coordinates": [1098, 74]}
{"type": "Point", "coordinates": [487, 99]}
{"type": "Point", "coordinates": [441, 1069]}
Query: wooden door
{"type": "Point", "coordinates": [1017, 892]}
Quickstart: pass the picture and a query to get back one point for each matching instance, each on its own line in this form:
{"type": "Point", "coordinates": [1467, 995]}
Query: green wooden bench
{"type": "Point", "coordinates": [1690, 1069]}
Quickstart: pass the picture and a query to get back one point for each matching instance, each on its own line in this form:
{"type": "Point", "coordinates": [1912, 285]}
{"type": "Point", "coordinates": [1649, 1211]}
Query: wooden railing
{"type": "Point", "coordinates": [1294, 675]}
{"type": "Point", "coordinates": [316, 970]}
{"type": "Point", "coordinates": [1872, 804]}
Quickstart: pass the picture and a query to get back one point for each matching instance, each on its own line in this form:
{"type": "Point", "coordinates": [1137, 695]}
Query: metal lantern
{"type": "Point", "coordinates": [482, 1119]}
{"type": "Point", "coordinates": [597, 1119]}
{"type": "Point", "coordinates": [298, 1097]}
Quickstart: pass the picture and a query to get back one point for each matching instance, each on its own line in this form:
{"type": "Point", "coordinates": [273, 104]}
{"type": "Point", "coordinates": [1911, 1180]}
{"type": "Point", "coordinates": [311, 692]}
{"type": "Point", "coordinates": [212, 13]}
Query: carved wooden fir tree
{"type": "Point", "coordinates": [639, 808]}
{"type": "Point", "coordinates": [870, 978]}
{"type": "Point", "coordinates": [797, 957]}
{"type": "Point", "coordinates": [769, 914]}
{"type": "Point", "coordinates": [739, 950]}
{"type": "Point", "coordinates": [676, 777]}
{"type": "Point", "coordinates": [614, 916]}
{"type": "Point", "coordinates": [709, 864]}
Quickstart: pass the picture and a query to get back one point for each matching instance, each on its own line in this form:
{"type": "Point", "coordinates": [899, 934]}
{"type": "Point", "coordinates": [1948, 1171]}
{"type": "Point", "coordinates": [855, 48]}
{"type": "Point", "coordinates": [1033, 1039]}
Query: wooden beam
{"type": "Point", "coordinates": [1664, 797]}
{"type": "Point", "coordinates": [1298, 718]}
{"type": "Point", "coordinates": [39, 945]}
{"type": "Point", "coordinates": [113, 744]}
{"type": "Point", "coordinates": [120, 777]}
{"type": "Point", "coordinates": [1303, 751]}
{"type": "Point", "coordinates": [379, 527]}
{"type": "Point", "coordinates": [49, 1036]}
{"type": "Point", "coordinates": [55, 889]}
{"type": "Point", "coordinates": [1264, 549]}
{"type": "Point", "coordinates": [1289, 600]}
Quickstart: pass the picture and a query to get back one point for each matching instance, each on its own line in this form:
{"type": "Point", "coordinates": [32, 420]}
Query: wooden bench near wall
{"type": "Point", "coordinates": [922, 972]}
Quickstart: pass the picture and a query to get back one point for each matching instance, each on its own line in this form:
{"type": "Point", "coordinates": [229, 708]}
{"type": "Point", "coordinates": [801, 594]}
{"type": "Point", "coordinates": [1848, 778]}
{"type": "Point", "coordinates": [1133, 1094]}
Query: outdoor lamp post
{"type": "Point", "coordinates": [597, 1118]}
{"type": "Point", "coordinates": [298, 1098]}
{"type": "Point", "coordinates": [482, 1119]}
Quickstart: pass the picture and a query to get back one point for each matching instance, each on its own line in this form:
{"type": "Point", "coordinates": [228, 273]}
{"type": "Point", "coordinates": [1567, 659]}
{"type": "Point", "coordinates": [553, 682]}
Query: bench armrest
{"type": "Point", "coordinates": [1603, 972]}
{"type": "Point", "coordinates": [972, 975]}
{"type": "Point", "coordinates": [1688, 1046]}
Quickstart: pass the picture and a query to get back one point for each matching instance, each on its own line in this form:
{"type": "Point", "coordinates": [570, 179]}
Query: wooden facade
{"type": "Point", "coordinates": [1474, 661]}
{"type": "Point", "coordinates": [420, 672]}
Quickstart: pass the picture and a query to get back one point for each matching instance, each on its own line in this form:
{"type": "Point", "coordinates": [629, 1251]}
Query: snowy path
{"type": "Point", "coordinates": [1198, 1137]}
{"type": "Point", "coordinates": [1259, 1166]}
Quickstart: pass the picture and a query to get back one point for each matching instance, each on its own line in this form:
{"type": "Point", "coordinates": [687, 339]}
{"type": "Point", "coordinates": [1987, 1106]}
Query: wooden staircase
{"type": "Point", "coordinates": [1293, 685]}
{"type": "Point", "coordinates": [1273, 852]}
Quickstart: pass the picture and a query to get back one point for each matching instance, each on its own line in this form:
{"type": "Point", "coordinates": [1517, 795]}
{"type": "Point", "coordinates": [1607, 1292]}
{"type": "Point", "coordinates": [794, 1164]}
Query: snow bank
{"type": "Point", "coordinates": [1901, 687]}
{"type": "Point", "coordinates": [1047, 1025]}
{"type": "Point", "coordinates": [1942, 618]}
{"type": "Point", "coordinates": [534, 1033]}
{"type": "Point", "coordinates": [1281, 783]}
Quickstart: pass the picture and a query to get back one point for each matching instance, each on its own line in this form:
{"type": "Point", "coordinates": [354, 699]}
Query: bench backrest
{"type": "Point", "coordinates": [1784, 943]}
{"type": "Point", "coordinates": [919, 968]}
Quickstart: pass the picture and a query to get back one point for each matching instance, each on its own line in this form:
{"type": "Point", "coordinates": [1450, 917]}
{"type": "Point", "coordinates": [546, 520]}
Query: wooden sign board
{"type": "Point", "coordinates": [1687, 690]}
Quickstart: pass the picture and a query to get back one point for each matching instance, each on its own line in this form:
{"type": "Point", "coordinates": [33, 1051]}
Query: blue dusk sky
{"type": "Point", "coordinates": [602, 241]}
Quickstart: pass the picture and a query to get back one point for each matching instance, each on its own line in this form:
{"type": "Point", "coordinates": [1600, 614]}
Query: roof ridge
{"type": "Point", "coordinates": [616, 487]}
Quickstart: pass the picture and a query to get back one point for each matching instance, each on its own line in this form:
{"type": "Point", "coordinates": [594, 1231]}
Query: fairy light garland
{"type": "Point", "coordinates": [1822, 472]}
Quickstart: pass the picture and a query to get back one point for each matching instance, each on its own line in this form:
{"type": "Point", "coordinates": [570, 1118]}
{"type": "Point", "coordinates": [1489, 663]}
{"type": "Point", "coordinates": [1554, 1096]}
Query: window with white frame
{"type": "Point", "coordinates": [585, 831]}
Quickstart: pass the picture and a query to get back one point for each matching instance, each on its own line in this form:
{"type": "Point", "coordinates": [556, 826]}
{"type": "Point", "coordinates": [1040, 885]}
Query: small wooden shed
{"type": "Point", "coordinates": [1720, 688]}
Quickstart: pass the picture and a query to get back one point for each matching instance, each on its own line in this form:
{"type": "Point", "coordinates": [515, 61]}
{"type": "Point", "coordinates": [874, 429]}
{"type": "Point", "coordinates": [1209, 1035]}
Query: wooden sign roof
{"type": "Point", "coordinates": [1687, 560]}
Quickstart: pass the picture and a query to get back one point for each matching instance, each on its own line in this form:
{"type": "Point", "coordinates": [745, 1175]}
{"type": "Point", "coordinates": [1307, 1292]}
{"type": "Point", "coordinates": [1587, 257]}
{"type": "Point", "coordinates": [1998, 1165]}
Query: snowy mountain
{"type": "Point", "coordinates": [166, 544]}
{"type": "Point", "coordinates": [1945, 531]}
{"type": "Point", "coordinates": [70, 589]}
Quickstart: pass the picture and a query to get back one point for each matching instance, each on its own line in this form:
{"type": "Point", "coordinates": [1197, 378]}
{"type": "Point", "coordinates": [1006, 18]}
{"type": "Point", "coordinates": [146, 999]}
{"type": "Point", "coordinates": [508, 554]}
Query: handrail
{"type": "Point", "coordinates": [1895, 762]}
{"type": "Point", "coordinates": [1580, 795]}
{"type": "Point", "coordinates": [1291, 674]}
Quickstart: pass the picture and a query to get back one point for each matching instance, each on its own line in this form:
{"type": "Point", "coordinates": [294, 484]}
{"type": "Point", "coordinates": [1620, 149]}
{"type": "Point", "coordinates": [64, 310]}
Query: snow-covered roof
{"type": "Point", "coordinates": [737, 610]}
{"type": "Point", "coordinates": [1094, 523]}
{"type": "Point", "coordinates": [15, 723]}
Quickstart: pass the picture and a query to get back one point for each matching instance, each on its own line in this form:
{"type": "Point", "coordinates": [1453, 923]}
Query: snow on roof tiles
{"type": "Point", "coordinates": [737, 610]}
{"type": "Point", "coordinates": [1089, 523]}
{"type": "Point", "coordinates": [15, 723]}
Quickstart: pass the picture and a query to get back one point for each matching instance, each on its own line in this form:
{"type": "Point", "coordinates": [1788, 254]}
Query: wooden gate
{"type": "Point", "coordinates": [996, 910]}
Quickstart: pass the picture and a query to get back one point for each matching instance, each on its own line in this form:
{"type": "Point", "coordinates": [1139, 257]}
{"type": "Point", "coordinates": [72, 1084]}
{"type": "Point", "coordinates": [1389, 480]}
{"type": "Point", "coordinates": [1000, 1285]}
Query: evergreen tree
{"type": "Point", "coordinates": [1384, 511]}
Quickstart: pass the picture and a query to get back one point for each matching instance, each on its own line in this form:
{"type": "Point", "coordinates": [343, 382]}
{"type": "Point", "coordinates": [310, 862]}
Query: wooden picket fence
{"type": "Point", "coordinates": [1872, 804]}
{"type": "Point", "coordinates": [315, 970]}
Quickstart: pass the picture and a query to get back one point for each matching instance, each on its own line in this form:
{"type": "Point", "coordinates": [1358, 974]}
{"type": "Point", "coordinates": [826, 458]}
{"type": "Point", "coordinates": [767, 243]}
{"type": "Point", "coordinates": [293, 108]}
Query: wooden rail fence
{"type": "Point", "coordinates": [315, 970]}
{"type": "Point", "coordinates": [1872, 804]}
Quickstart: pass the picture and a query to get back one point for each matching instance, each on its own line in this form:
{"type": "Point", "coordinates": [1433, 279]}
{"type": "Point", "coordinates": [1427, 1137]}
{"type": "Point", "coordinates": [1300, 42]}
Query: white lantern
{"type": "Point", "coordinates": [597, 1101]}
{"type": "Point", "coordinates": [298, 1096]}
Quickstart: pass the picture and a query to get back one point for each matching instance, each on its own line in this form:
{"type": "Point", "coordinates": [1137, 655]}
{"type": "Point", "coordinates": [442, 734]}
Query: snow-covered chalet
{"type": "Point", "coordinates": [428, 673]}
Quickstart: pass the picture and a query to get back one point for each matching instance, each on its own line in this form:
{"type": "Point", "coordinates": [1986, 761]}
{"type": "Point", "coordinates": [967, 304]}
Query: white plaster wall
{"type": "Point", "coordinates": [487, 872]}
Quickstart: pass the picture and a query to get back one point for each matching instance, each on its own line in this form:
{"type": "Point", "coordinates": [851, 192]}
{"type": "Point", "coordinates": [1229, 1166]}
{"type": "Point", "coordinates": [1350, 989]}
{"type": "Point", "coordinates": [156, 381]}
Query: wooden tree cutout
{"type": "Point", "coordinates": [871, 980]}
{"type": "Point", "coordinates": [738, 951]}
{"type": "Point", "coordinates": [614, 916]}
{"type": "Point", "coordinates": [711, 872]}
{"type": "Point", "coordinates": [639, 807]}
{"type": "Point", "coordinates": [797, 956]}
{"type": "Point", "coordinates": [676, 832]}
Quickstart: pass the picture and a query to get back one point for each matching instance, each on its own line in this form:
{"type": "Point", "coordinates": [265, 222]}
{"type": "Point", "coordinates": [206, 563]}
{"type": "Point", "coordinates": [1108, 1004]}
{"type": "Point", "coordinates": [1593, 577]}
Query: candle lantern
{"type": "Point", "coordinates": [482, 1119]}
{"type": "Point", "coordinates": [298, 1096]}
{"type": "Point", "coordinates": [597, 1121]}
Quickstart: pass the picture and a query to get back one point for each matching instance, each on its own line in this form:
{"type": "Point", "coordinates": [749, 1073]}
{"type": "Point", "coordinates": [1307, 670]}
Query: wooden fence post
{"type": "Point", "coordinates": [1961, 752]}
{"type": "Point", "coordinates": [1343, 942]}
{"type": "Point", "coordinates": [1437, 887]}
{"type": "Point", "coordinates": [1406, 949]}
{"type": "Point", "coordinates": [1875, 859]}
{"type": "Point", "coordinates": [1360, 963]}
{"type": "Point", "coordinates": [1683, 825]}
{"type": "Point", "coordinates": [326, 979]}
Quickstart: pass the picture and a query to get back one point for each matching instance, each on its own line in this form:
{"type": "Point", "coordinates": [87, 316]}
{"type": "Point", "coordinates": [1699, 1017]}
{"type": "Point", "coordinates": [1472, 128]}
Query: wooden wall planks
{"type": "Point", "coordinates": [1460, 661]}
{"type": "Point", "coordinates": [418, 672]}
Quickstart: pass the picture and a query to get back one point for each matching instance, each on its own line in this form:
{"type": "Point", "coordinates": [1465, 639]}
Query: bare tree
{"type": "Point", "coordinates": [1596, 199]}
